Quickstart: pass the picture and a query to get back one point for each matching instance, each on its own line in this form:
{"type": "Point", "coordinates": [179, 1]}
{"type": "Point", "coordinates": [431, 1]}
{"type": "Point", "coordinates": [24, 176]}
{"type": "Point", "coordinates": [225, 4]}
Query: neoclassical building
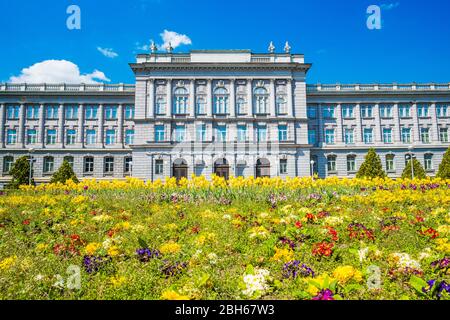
{"type": "Point", "coordinates": [230, 113]}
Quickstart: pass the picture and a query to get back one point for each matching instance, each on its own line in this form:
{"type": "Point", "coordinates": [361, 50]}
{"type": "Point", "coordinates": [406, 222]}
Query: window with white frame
{"type": "Point", "coordinates": [387, 135]}
{"type": "Point", "coordinates": [390, 163]}
{"type": "Point", "coordinates": [91, 136]}
{"type": "Point", "coordinates": [282, 133]}
{"type": "Point", "coordinates": [110, 112]}
{"type": "Point", "coordinates": [348, 111]}
{"type": "Point", "coordinates": [8, 163]}
{"type": "Point", "coordinates": [128, 164]}
{"type": "Point", "coordinates": [51, 112]}
{"type": "Point", "coordinates": [201, 105]}
{"type": "Point", "coordinates": [180, 102]}
{"type": "Point", "coordinates": [160, 105]}
{"type": "Point", "coordinates": [201, 132]}
{"type": "Point", "coordinates": [386, 110]}
{"type": "Point", "coordinates": [220, 101]}
{"type": "Point", "coordinates": [32, 112]}
{"type": "Point", "coordinates": [423, 110]}
{"type": "Point", "coordinates": [404, 110]}
{"type": "Point", "coordinates": [241, 106]}
{"type": "Point", "coordinates": [331, 163]}
{"type": "Point", "coordinates": [31, 136]}
{"type": "Point", "coordinates": [406, 135]}
{"type": "Point", "coordinates": [108, 165]}
{"type": "Point", "coordinates": [71, 112]}
{"type": "Point", "coordinates": [159, 167]}
{"type": "Point", "coordinates": [349, 136]}
{"type": "Point", "coordinates": [12, 112]}
{"type": "Point", "coordinates": [351, 163]}
{"type": "Point", "coordinates": [428, 162]}
{"type": "Point", "coordinates": [11, 136]}
{"type": "Point", "coordinates": [442, 110]}
{"type": "Point", "coordinates": [368, 135]}
{"type": "Point", "coordinates": [221, 133]}
{"type": "Point", "coordinates": [366, 110]}
{"type": "Point", "coordinates": [159, 133]}
{"type": "Point", "coordinates": [281, 104]}
{"type": "Point", "coordinates": [49, 164]}
{"type": "Point", "coordinates": [71, 136]}
{"type": "Point", "coordinates": [329, 111]}
{"type": "Point", "coordinates": [425, 135]}
{"type": "Point", "coordinates": [443, 134]}
{"type": "Point", "coordinates": [329, 136]}
{"type": "Point", "coordinates": [261, 133]}
{"type": "Point", "coordinates": [261, 98]}
{"type": "Point", "coordinates": [51, 136]}
{"type": "Point", "coordinates": [283, 166]}
{"type": "Point", "coordinates": [129, 137]}
{"type": "Point", "coordinates": [180, 133]}
{"type": "Point", "coordinates": [129, 112]}
{"type": "Point", "coordinates": [110, 137]}
{"type": "Point", "coordinates": [242, 133]}
{"type": "Point", "coordinates": [88, 164]}
{"type": "Point", "coordinates": [90, 112]}
{"type": "Point", "coordinates": [70, 160]}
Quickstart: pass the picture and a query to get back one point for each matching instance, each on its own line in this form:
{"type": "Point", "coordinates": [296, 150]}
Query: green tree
{"type": "Point", "coordinates": [444, 167]}
{"type": "Point", "coordinates": [419, 171]}
{"type": "Point", "coordinates": [371, 167]}
{"type": "Point", "coordinates": [64, 173]}
{"type": "Point", "coordinates": [20, 173]}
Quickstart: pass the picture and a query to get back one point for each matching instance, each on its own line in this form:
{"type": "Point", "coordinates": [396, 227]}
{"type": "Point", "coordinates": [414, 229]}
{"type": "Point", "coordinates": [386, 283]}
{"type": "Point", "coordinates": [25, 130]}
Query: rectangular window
{"type": "Point", "coordinates": [8, 163]}
{"type": "Point", "coordinates": [312, 136]}
{"type": "Point", "coordinates": [331, 163]}
{"type": "Point", "coordinates": [129, 112]}
{"type": "Point", "coordinates": [404, 110]}
{"type": "Point", "coordinates": [71, 112]}
{"type": "Point", "coordinates": [347, 111]}
{"type": "Point", "coordinates": [159, 133]}
{"type": "Point", "coordinates": [281, 105]}
{"type": "Point", "coordinates": [423, 110]}
{"type": "Point", "coordinates": [89, 164]}
{"type": "Point", "coordinates": [31, 136]}
{"type": "Point", "coordinates": [351, 164]}
{"type": "Point", "coordinates": [241, 106]}
{"type": "Point", "coordinates": [180, 105]}
{"type": "Point", "coordinates": [428, 162]}
{"type": "Point", "coordinates": [49, 164]}
{"type": "Point", "coordinates": [328, 112]}
{"type": "Point", "coordinates": [69, 160]}
{"type": "Point", "coordinates": [283, 166]}
{"type": "Point", "coordinates": [110, 112]}
{"type": "Point", "coordinates": [32, 112]}
{"type": "Point", "coordinates": [387, 135]}
{"type": "Point", "coordinates": [110, 137]}
{"type": "Point", "coordinates": [160, 106]}
{"type": "Point", "coordinates": [11, 136]}
{"type": "Point", "coordinates": [129, 137]}
{"type": "Point", "coordinates": [201, 132]}
{"type": "Point", "coordinates": [282, 133]}
{"type": "Point", "coordinates": [406, 135]}
{"type": "Point", "coordinates": [12, 112]}
{"type": "Point", "coordinates": [260, 104]}
{"type": "Point", "coordinates": [443, 134]}
{"type": "Point", "coordinates": [71, 136]}
{"type": "Point", "coordinates": [261, 133]}
{"type": "Point", "coordinates": [221, 104]}
{"type": "Point", "coordinates": [180, 133]}
{"type": "Point", "coordinates": [390, 164]}
{"type": "Point", "coordinates": [91, 136]}
{"type": "Point", "coordinates": [51, 136]}
{"type": "Point", "coordinates": [51, 112]}
{"type": "Point", "coordinates": [159, 167]}
{"type": "Point", "coordinates": [368, 135]}
{"type": "Point", "coordinates": [366, 111]}
{"type": "Point", "coordinates": [128, 163]}
{"type": "Point", "coordinates": [349, 136]}
{"type": "Point", "coordinates": [90, 112]}
{"type": "Point", "coordinates": [221, 133]}
{"type": "Point", "coordinates": [442, 110]}
{"type": "Point", "coordinates": [386, 110]}
{"type": "Point", "coordinates": [312, 112]}
{"type": "Point", "coordinates": [109, 165]}
{"type": "Point", "coordinates": [329, 136]}
{"type": "Point", "coordinates": [425, 135]}
{"type": "Point", "coordinates": [242, 133]}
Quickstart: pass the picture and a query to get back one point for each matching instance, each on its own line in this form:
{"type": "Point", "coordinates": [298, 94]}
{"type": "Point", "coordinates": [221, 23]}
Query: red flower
{"type": "Point", "coordinates": [333, 233]}
{"type": "Point", "coordinates": [310, 217]}
{"type": "Point", "coordinates": [195, 229]}
{"type": "Point", "coordinates": [26, 222]}
{"type": "Point", "coordinates": [111, 233]}
{"type": "Point", "coordinates": [298, 224]}
{"type": "Point", "coordinates": [430, 232]}
{"type": "Point", "coordinates": [323, 249]}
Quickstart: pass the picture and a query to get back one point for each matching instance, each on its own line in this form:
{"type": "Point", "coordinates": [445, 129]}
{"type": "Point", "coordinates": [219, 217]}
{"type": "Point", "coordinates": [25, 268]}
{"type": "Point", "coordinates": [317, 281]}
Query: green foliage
{"type": "Point", "coordinates": [20, 173]}
{"type": "Point", "coordinates": [444, 167]}
{"type": "Point", "coordinates": [64, 173]}
{"type": "Point", "coordinates": [419, 171]}
{"type": "Point", "coordinates": [371, 167]}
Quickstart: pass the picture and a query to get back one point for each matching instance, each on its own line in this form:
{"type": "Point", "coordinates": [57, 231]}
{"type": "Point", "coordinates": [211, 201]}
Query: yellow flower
{"type": "Point", "coordinates": [173, 295]}
{"type": "Point", "coordinates": [443, 245]}
{"type": "Point", "coordinates": [7, 263]}
{"type": "Point", "coordinates": [170, 247]}
{"type": "Point", "coordinates": [346, 273]}
{"type": "Point", "coordinates": [317, 284]}
{"type": "Point", "coordinates": [113, 251]}
{"type": "Point", "coordinates": [284, 255]}
{"type": "Point", "coordinates": [444, 229]}
{"type": "Point", "coordinates": [41, 247]}
{"type": "Point", "coordinates": [117, 281]}
{"type": "Point", "coordinates": [171, 227]}
{"type": "Point", "coordinates": [92, 247]}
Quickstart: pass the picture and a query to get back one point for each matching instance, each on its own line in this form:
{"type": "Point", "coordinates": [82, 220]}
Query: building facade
{"type": "Point", "coordinates": [230, 113]}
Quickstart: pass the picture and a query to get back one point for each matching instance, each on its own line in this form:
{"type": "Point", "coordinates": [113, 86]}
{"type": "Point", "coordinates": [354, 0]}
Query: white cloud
{"type": "Point", "coordinates": [175, 39]}
{"type": "Point", "coordinates": [57, 71]}
{"type": "Point", "coordinates": [107, 52]}
{"type": "Point", "coordinates": [390, 6]}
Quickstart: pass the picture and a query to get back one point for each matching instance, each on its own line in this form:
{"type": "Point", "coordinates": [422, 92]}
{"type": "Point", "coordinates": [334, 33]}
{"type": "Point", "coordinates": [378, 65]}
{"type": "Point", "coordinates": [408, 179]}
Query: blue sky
{"type": "Point", "coordinates": [412, 46]}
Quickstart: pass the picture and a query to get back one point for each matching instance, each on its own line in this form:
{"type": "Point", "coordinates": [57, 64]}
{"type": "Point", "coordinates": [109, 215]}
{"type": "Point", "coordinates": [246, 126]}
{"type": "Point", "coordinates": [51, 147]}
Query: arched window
{"type": "Point", "coordinates": [180, 101]}
{"type": "Point", "coordinates": [160, 105]}
{"type": "Point", "coordinates": [49, 164]}
{"type": "Point", "coordinates": [281, 105]}
{"type": "Point", "coordinates": [331, 164]}
{"type": "Point", "coordinates": [220, 101]}
{"type": "Point", "coordinates": [261, 98]}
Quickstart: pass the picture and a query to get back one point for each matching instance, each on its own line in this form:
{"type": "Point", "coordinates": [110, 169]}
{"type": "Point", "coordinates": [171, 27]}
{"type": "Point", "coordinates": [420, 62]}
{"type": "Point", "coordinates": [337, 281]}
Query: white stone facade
{"type": "Point", "coordinates": [232, 113]}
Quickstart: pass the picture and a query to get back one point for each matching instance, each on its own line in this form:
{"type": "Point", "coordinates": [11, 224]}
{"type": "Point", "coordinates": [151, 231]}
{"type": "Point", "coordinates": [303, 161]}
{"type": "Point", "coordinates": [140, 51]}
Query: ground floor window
{"type": "Point", "coordinates": [159, 167]}
{"type": "Point", "coordinates": [128, 164]}
{"type": "Point", "coordinates": [109, 165]}
{"type": "Point", "coordinates": [428, 162]}
{"type": "Point", "coordinates": [8, 163]}
{"type": "Point", "coordinates": [390, 164]}
{"type": "Point", "coordinates": [283, 166]}
{"type": "Point", "coordinates": [49, 164]}
{"type": "Point", "coordinates": [89, 164]}
{"type": "Point", "coordinates": [351, 163]}
{"type": "Point", "coordinates": [331, 163]}
{"type": "Point", "coordinates": [70, 160]}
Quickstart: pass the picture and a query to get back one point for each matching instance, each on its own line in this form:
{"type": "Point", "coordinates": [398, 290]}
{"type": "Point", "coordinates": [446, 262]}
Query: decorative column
{"type": "Point", "coordinates": [120, 125]}
{"type": "Point", "coordinates": [378, 131]}
{"type": "Point", "coordinates": [2, 125]}
{"type": "Point", "coordinates": [359, 134]}
{"type": "Point", "coordinates": [290, 93]}
{"type": "Point", "coordinates": [273, 111]}
{"type": "Point", "coordinates": [249, 98]}
{"type": "Point", "coordinates": [209, 105]}
{"type": "Point", "coordinates": [320, 129]}
{"type": "Point", "coordinates": [232, 98]}
{"type": "Point", "coordinates": [416, 133]}
{"type": "Point", "coordinates": [61, 125]}
{"type": "Point", "coordinates": [192, 98]}
{"type": "Point", "coordinates": [101, 117]}
{"type": "Point", "coordinates": [340, 130]}
{"type": "Point", "coordinates": [21, 139]}
{"type": "Point", "coordinates": [151, 99]}
{"type": "Point", "coordinates": [435, 126]}
{"type": "Point", "coordinates": [80, 125]}
{"type": "Point", "coordinates": [169, 97]}
{"type": "Point", "coordinates": [42, 125]}
{"type": "Point", "coordinates": [397, 129]}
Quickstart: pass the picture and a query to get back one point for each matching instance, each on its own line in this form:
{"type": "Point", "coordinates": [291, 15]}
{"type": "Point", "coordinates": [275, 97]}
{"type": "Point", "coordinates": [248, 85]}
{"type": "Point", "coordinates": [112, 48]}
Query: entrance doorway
{"type": "Point", "coordinates": [180, 169]}
{"type": "Point", "coordinates": [222, 168]}
{"type": "Point", "coordinates": [262, 168]}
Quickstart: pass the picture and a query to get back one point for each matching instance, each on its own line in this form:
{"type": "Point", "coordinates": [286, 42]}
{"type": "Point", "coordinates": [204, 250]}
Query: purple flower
{"type": "Point", "coordinates": [441, 264]}
{"type": "Point", "coordinates": [325, 294]}
{"type": "Point", "coordinates": [170, 269]}
{"type": "Point", "coordinates": [145, 254]}
{"type": "Point", "coordinates": [85, 187]}
{"type": "Point", "coordinates": [293, 268]}
{"type": "Point", "coordinates": [92, 264]}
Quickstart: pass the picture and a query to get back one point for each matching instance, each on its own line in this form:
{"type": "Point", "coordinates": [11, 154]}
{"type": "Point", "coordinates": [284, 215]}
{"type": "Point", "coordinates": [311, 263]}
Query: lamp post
{"type": "Point", "coordinates": [31, 159]}
{"type": "Point", "coordinates": [312, 162]}
{"type": "Point", "coordinates": [411, 158]}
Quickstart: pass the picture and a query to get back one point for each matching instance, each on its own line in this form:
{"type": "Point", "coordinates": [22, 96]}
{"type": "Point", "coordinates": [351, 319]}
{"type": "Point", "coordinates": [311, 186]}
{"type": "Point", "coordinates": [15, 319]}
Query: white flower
{"type": "Point", "coordinates": [226, 217]}
{"type": "Point", "coordinates": [212, 257]}
{"type": "Point", "coordinates": [405, 261]}
{"type": "Point", "coordinates": [255, 282]}
{"type": "Point", "coordinates": [39, 277]}
{"type": "Point", "coordinates": [362, 254]}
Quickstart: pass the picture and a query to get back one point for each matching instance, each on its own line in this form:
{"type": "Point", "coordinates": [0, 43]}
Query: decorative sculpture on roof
{"type": "Point", "coordinates": [287, 47]}
{"type": "Point", "coordinates": [271, 47]}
